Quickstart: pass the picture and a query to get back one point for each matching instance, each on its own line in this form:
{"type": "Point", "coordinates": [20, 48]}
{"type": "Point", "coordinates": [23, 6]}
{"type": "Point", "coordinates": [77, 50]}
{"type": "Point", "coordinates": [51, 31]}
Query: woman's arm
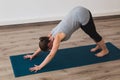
{"type": "Point", "coordinates": [50, 56]}
{"type": "Point", "coordinates": [36, 52]}
{"type": "Point", "coordinates": [33, 55]}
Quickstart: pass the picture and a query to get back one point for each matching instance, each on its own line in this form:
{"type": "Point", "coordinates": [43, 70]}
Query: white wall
{"type": "Point", "coordinates": [26, 11]}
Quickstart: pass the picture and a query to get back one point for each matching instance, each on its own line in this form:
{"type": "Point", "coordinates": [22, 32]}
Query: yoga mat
{"type": "Point", "coordinates": [65, 58]}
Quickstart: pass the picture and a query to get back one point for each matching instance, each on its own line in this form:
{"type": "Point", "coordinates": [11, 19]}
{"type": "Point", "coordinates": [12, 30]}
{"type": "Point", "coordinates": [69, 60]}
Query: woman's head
{"type": "Point", "coordinates": [43, 44]}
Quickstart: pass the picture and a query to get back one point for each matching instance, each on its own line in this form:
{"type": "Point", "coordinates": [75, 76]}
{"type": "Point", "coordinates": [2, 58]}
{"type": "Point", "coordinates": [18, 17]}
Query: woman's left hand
{"type": "Point", "coordinates": [35, 68]}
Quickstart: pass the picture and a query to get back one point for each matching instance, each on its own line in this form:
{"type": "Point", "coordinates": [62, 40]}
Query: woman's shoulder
{"type": "Point", "coordinates": [60, 35]}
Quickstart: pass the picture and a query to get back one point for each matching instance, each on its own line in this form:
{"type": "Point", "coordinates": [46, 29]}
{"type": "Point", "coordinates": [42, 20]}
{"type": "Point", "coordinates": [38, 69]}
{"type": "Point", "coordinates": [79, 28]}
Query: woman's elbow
{"type": "Point", "coordinates": [51, 55]}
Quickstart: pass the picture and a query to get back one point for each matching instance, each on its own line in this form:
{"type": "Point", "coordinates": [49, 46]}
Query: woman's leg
{"type": "Point", "coordinates": [104, 50]}
{"type": "Point", "coordinates": [90, 29]}
{"type": "Point", "coordinates": [95, 48]}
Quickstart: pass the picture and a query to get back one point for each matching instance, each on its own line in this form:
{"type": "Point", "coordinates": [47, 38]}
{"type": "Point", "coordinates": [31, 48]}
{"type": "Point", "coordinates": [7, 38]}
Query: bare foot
{"type": "Point", "coordinates": [95, 49]}
{"type": "Point", "coordinates": [102, 53]}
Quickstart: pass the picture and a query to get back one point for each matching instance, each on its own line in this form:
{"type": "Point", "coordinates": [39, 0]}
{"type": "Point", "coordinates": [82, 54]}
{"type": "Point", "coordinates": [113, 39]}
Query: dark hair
{"type": "Point", "coordinates": [43, 44]}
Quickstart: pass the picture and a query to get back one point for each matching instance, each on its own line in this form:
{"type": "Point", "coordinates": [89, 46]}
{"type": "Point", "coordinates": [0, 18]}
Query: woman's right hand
{"type": "Point", "coordinates": [28, 57]}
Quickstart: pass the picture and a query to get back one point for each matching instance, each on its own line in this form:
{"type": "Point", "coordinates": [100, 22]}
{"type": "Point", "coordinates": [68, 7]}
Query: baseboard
{"type": "Point", "coordinates": [106, 17]}
{"type": "Point", "coordinates": [55, 22]}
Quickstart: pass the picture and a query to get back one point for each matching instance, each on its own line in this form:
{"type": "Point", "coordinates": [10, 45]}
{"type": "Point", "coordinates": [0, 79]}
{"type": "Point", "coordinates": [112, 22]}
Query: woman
{"type": "Point", "coordinates": [79, 17]}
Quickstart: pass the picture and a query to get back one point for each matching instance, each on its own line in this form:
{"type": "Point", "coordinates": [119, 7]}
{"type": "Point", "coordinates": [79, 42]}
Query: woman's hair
{"type": "Point", "coordinates": [43, 44]}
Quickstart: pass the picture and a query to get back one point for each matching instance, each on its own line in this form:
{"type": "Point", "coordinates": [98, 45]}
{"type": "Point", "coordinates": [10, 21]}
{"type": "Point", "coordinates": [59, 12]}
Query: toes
{"type": "Point", "coordinates": [102, 53]}
{"type": "Point", "coordinates": [92, 50]}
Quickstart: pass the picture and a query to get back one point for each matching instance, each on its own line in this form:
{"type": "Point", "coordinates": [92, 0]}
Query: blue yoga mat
{"type": "Point", "coordinates": [65, 58]}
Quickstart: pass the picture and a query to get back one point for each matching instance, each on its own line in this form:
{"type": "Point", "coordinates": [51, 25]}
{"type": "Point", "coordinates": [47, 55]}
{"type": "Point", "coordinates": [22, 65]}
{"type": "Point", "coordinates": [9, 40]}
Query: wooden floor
{"type": "Point", "coordinates": [24, 39]}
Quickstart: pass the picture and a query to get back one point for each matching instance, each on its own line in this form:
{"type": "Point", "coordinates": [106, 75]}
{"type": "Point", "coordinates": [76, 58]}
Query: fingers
{"type": "Point", "coordinates": [32, 69]}
{"type": "Point", "coordinates": [31, 58]}
{"type": "Point", "coordinates": [35, 68]}
{"type": "Point", "coordinates": [28, 56]}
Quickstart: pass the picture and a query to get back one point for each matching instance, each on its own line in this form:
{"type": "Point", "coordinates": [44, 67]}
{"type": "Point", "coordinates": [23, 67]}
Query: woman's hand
{"type": "Point", "coordinates": [28, 57]}
{"type": "Point", "coordinates": [35, 68]}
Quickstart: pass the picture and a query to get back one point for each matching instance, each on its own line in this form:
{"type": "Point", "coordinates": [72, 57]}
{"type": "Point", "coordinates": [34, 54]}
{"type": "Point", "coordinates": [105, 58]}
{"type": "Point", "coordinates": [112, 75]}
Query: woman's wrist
{"type": "Point", "coordinates": [40, 67]}
{"type": "Point", "coordinates": [33, 55]}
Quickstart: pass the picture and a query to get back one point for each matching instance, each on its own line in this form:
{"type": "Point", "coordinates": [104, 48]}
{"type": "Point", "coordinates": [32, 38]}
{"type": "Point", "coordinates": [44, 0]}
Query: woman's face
{"type": "Point", "coordinates": [50, 44]}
